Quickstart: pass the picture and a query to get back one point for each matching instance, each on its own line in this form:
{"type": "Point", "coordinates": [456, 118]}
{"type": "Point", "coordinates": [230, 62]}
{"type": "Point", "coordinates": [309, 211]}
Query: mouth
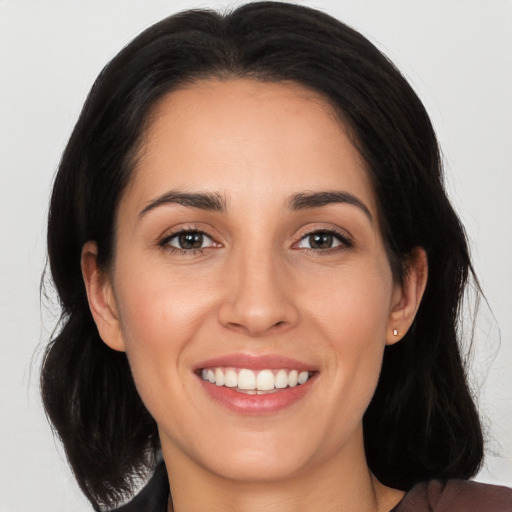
{"type": "Point", "coordinates": [255, 382]}
{"type": "Point", "coordinates": [255, 385]}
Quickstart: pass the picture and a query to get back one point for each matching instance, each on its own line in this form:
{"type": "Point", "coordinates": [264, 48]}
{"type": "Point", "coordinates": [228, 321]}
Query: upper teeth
{"type": "Point", "coordinates": [260, 380]}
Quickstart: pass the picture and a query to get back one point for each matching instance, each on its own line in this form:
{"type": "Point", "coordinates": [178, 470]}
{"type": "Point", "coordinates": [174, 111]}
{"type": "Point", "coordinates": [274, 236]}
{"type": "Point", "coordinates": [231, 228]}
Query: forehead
{"type": "Point", "coordinates": [250, 139]}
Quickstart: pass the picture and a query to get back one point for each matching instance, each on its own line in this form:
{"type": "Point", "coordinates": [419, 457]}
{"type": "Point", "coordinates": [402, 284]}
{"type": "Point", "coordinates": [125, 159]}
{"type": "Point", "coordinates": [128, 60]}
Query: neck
{"type": "Point", "coordinates": [343, 482]}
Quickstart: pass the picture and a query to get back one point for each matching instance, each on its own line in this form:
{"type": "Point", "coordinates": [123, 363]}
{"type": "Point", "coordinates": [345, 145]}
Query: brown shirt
{"type": "Point", "coordinates": [456, 496]}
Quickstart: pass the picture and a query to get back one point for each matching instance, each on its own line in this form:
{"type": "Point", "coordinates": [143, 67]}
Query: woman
{"type": "Point", "coordinates": [260, 275]}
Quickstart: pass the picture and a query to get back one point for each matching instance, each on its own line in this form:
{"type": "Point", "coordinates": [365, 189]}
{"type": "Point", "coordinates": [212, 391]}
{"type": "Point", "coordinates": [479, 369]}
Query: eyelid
{"type": "Point", "coordinates": [163, 240]}
{"type": "Point", "coordinates": [187, 232]}
{"type": "Point", "coordinates": [345, 239]}
{"type": "Point", "coordinates": [342, 235]}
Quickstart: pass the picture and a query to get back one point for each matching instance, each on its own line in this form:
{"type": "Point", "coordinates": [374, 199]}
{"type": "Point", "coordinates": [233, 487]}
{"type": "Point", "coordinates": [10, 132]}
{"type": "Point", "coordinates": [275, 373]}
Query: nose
{"type": "Point", "coordinates": [259, 296]}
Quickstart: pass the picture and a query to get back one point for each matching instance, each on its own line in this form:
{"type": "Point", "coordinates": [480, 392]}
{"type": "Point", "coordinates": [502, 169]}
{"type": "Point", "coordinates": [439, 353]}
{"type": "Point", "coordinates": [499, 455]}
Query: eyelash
{"type": "Point", "coordinates": [164, 242]}
{"type": "Point", "coordinates": [345, 242]}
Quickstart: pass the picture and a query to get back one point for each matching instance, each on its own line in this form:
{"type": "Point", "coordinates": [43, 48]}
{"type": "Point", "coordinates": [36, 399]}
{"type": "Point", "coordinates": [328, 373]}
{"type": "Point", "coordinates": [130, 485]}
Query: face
{"type": "Point", "coordinates": [249, 256]}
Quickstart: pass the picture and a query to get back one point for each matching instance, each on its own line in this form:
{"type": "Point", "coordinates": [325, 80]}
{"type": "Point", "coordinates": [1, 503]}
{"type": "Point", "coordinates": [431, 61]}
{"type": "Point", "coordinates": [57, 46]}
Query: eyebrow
{"type": "Point", "coordinates": [304, 200]}
{"type": "Point", "coordinates": [202, 200]}
{"type": "Point", "coordinates": [216, 202]}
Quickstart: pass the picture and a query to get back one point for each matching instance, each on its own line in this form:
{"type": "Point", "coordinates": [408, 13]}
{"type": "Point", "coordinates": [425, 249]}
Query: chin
{"type": "Point", "coordinates": [257, 466]}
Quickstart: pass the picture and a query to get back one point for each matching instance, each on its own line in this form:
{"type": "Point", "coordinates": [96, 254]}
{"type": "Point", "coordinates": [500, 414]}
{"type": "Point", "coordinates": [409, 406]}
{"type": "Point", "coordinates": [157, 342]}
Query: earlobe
{"type": "Point", "coordinates": [101, 298]}
{"type": "Point", "coordinates": [407, 296]}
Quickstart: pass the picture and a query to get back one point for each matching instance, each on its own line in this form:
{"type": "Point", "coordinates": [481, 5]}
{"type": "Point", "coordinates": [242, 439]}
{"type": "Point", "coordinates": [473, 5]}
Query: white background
{"type": "Point", "coordinates": [457, 55]}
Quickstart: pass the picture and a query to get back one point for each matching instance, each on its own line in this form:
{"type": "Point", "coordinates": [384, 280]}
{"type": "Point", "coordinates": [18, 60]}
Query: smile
{"type": "Point", "coordinates": [259, 382]}
{"type": "Point", "coordinates": [256, 385]}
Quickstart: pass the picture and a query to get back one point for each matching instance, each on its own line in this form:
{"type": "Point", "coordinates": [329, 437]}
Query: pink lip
{"type": "Point", "coordinates": [242, 403]}
{"type": "Point", "coordinates": [253, 362]}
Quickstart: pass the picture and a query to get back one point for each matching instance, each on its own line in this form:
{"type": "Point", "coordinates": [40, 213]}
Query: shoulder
{"type": "Point", "coordinates": [456, 496]}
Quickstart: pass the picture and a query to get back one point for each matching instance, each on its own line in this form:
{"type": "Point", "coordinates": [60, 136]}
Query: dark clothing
{"type": "Point", "coordinates": [433, 496]}
{"type": "Point", "coordinates": [455, 496]}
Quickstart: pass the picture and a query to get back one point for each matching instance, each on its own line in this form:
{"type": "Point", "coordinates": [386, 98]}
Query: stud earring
{"type": "Point", "coordinates": [395, 332]}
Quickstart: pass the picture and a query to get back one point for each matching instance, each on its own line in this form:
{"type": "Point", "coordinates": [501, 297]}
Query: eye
{"type": "Point", "coordinates": [323, 241]}
{"type": "Point", "coordinates": [188, 240]}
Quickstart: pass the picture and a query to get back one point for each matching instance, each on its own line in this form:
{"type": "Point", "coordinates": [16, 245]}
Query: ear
{"type": "Point", "coordinates": [101, 298]}
{"type": "Point", "coordinates": [407, 296]}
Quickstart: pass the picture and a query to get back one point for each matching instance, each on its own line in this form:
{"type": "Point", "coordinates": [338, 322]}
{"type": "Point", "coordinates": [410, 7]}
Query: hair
{"type": "Point", "coordinates": [422, 422]}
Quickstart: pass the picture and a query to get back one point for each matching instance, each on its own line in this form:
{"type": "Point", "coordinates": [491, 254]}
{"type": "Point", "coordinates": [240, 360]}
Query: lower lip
{"type": "Point", "coordinates": [243, 403]}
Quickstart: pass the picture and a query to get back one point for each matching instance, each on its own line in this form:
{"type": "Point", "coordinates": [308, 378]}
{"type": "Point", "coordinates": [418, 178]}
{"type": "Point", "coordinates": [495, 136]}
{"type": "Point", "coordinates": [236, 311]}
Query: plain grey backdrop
{"type": "Point", "coordinates": [456, 54]}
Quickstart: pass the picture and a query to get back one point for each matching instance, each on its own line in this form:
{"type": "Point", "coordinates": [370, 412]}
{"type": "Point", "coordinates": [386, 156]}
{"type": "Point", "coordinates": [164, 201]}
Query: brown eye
{"type": "Point", "coordinates": [322, 240]}
{"type": "Point", "coordinates": [189, 240]}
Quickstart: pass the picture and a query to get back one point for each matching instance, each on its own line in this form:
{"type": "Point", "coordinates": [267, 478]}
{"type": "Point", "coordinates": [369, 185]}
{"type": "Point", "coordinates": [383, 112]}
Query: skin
{"type": "Point", "coordinates": [256, 288]}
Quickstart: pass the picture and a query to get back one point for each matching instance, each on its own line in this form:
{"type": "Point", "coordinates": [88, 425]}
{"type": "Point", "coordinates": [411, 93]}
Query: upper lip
{"type": "Point", "coordinates": [255, 362]}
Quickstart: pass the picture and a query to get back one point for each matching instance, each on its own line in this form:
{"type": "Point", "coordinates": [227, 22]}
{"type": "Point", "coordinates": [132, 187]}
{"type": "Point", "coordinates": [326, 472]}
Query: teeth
{"type": "Point", "coordinates": [281, 379]}
{"type": "Point", "coordinates": [230, 379]}
{"type": "Point", "coordinates": [219, 377]}
{"type": "Point", "coordinates": [303, 377]}
{"type": "Point", "coordinates": [265, 380]}
{"type": "Point", "coordinates": [293, 378]}
{"type": "Point", "coordinates": [246, 379]}
{"type": "Point", "coordinates": [251, 382]}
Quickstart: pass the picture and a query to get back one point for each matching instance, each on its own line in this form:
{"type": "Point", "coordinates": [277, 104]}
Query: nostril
{"type": "Point", "coordinates": [257, 315]}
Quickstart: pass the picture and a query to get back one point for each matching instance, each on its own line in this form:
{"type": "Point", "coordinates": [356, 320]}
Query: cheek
{"type": "Point", "coordinates": [353, 306]}
{"type": "Point", "coordinates": [157, 306]}
{"type": "Point", "coordinates": [159, 319]}
{"type": "Point", "coordinates": [352, 315]}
